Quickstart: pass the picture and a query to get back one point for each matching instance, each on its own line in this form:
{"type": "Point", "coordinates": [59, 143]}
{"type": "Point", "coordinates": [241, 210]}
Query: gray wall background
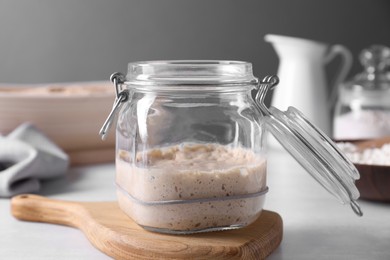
{"type": "Point", "coordinates": [87, 40]}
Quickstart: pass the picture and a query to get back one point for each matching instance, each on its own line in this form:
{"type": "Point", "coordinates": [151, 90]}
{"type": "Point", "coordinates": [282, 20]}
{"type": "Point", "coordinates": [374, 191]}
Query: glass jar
{"type": "Point", "coordinates": [363, 107]}
{"type": "Point", "coordinates": [190, 146]}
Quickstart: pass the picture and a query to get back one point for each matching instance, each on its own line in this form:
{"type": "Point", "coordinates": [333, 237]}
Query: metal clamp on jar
{"type": "Point", "coordinates": [191, 152]}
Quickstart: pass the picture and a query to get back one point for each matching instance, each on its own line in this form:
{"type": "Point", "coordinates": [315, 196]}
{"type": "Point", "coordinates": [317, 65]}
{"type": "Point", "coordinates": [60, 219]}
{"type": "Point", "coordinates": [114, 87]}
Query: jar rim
{"type": "Point", "coordinates": [190, 72]}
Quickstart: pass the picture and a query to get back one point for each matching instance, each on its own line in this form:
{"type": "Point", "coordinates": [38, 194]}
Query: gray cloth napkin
{"type": "Point", "coordinates": [26, 157]}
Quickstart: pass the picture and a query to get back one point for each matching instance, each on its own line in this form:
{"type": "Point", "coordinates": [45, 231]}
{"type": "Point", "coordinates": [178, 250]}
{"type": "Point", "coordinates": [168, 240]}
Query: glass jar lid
{"type": "Point", "coordinates": [316, 152]}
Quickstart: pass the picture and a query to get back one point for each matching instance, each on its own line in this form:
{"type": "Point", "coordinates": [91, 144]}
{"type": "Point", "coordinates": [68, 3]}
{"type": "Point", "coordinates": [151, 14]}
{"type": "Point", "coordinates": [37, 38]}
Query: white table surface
{"type": "Point", "coordinates": [316, 225]}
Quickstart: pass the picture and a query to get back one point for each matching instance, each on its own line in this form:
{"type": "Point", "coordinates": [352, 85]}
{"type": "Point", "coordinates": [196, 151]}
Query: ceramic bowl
{"type": "Point", "coordinates": [70, 114]}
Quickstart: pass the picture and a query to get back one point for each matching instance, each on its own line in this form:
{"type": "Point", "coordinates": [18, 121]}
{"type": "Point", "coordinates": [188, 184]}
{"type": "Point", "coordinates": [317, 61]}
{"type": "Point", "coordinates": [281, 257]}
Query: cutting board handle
{"type": "Point", "coordinates": [36, 208]}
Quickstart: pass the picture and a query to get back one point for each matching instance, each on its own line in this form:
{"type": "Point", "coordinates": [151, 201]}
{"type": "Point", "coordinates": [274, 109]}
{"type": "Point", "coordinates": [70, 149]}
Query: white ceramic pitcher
{"type": "Point", "coordinates": [302, 76]}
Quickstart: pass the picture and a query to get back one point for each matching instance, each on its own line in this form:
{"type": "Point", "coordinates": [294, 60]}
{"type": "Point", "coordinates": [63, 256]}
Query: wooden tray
{"type": "Point", "coordinates": [374, 180]}
{"type": "Point", "coordinates": [93, 156]}
{"type": "Point", "coordinates": [116, 235]}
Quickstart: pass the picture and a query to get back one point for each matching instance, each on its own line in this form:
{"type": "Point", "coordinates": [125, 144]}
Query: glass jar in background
{"type": "Point", "coordinates": [190, 146]}
{"type": "Point", "coordinates": [363, 107]}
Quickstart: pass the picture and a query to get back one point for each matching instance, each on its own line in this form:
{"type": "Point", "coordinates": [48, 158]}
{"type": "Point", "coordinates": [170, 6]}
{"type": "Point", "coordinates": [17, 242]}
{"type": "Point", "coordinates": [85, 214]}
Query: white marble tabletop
{"type": "Point", "coordinates": [316, 225]}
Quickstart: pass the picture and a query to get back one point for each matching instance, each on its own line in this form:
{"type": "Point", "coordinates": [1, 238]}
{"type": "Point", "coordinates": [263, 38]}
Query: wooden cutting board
{"type": "Point", "coordinates": [116, 235]}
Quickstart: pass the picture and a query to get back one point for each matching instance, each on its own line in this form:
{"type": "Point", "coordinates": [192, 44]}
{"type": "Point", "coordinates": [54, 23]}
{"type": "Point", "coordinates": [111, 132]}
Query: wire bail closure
{"type": "Point", "coordinates": [266, 84]}
{"type": "Point", "coordinates": [122, 95]}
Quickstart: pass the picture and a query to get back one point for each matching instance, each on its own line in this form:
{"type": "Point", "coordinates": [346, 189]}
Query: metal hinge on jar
{"type": "Point", "coordinates": [266, 84]}
{"type": "Point", "coordinates": [122, 95]}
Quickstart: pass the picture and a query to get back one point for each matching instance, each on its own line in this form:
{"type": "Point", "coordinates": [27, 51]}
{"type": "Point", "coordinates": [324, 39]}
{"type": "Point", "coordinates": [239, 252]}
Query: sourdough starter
{"type": "Point", "coordinates": [187, 174]}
